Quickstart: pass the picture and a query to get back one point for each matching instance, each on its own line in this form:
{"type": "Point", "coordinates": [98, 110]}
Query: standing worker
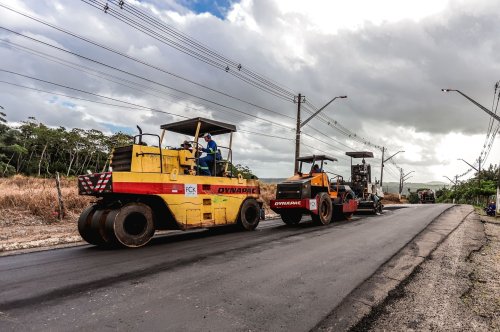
{"type": "Point", "coordinates": [207, 162]}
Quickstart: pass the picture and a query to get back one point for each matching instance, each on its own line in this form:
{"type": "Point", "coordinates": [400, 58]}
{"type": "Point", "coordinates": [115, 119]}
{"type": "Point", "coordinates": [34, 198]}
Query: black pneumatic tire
{"type": "Point", "coordinates": [249, 214]}
{"type": "Point", "coordinates": [97, 227]}
{"type": "Point", "coordinates": [132, 225]}
{"type": "Point", "coordinates": [84, 225]}
{"type": "Point", "coordinates": [291, 217]}
{"type": "Point", "coordinates": [325, 210]}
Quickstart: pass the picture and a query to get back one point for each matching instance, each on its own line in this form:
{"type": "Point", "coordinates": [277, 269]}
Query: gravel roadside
{"type": "Point", "coordinates": [456, 289]}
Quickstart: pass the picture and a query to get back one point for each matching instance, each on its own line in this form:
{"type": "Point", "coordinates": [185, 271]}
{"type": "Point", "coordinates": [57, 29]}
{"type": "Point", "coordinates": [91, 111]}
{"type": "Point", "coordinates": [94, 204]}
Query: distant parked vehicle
{"type": "Point", "coordinates": [426, 195]}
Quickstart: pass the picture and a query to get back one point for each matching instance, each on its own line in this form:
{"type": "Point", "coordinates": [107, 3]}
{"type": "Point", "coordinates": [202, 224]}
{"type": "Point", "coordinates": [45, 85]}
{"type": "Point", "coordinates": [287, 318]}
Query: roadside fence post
{"type": "Point", "coordinates": [59, 196]}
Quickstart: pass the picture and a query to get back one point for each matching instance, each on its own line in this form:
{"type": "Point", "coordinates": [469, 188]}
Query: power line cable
{"type": "Point", "coordinates": [184, 49]}
{"type": "Point", "coordinates": [102, 75]}
{"type": "Point", "coordinates": [143, 78]}
{"type": "Point", "coordinates": [139, 108]}
{"type": "Point", "coordinates": [154, 22]}
{"type": "Point", "coordinates": [140, 61]}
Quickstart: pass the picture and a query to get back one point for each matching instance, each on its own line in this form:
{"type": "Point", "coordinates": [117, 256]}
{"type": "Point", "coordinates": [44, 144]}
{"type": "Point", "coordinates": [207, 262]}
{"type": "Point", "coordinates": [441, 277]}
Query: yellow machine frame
{"type": "Point", "coordinates": [165, 181]}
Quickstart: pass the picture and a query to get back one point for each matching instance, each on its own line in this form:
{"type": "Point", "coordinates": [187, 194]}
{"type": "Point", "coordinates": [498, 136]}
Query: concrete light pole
{"type": "Point", "coordinates": [383, 161]}
{"type": "Point", "coordinates": [475, 103]}
{"type": "Point", "coordinates": [402, 179]}
{"type": "Point", "coordinates": [477, 170]}
{"type": "Point", "coordinates": [300, 99]}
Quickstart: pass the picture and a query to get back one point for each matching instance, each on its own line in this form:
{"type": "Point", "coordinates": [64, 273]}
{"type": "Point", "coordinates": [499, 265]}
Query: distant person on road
{"type": "Point", "coordinates": [491, 209]}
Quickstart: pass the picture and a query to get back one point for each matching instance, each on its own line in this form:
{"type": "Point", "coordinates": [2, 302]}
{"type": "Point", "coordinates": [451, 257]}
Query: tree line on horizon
{"type": "Point", "coordinates": [472, 191]}
{"type": "Point", "coordinates": [35, 149]}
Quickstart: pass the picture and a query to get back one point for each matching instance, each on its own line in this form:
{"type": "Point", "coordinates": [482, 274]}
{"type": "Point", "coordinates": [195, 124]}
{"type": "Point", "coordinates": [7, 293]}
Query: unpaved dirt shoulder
{"type": "Point", "coordinates": [435, 296]}
{"type": "Point", "coordinates": [483, 296]}
{"type": "Point", "coordinates": [22, 232]}
{"type": "Point", "coordinates": [456, 289]}
{"type": "Point", "coordinates": [371, 303]}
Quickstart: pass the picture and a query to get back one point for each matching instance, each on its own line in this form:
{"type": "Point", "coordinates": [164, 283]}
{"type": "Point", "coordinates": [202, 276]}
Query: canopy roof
{"type": "Point", "coordinates": [188, 127]}
{"type": "Point", "coordinates": [360, 154]}
{"type": "Point", "coordinates": [319, 157]}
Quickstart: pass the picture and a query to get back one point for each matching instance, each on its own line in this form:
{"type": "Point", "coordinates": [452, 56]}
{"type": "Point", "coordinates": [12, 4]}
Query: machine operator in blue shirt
{"type": "Point", "coordinates": [206, 164]}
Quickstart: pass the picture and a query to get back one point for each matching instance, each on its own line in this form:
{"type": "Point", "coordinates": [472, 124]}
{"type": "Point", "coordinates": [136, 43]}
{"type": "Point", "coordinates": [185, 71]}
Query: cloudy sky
{"type": "Point", "coordinates": [391, 58]}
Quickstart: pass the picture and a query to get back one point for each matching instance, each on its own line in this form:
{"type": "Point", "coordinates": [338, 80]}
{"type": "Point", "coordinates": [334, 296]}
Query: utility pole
{"type": "Point", "coordinates": [400, 182]}
{"type": "Point", "coordinates": [479, 173]}
{"type": "Point", "coordinates": [455, 183]}
{"type": "Point", "coordinates": [493, 115]}
{"type": "Point", "coordinates": [478, 170]}
{"type": "Point", "coordinates": [402, 179]}
{"type": "Point", "coordinates": [382, 167]}
{"type": "Point", "coordinates": [383, 161]}
{"type": "Point", "coordinates": [498, 192]}
{"type": "Point", "coordinates": [299, 101]}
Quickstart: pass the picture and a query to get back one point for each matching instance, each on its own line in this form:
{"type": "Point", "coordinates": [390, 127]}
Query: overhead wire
{"type": "Point", "coordinates": [143, 78]}
{"type": "Point", "coordinates": [137, 107]}
{"type": "Point", "coordinates": [107, 48]}
{"type": "Point", "coordinates": [182, 48]}
{"type": "Point", "coordinates": [197, 45]}
{"type": "Point", "coordinates": [341, 129]}
{"type": "Point", "coordinates": [79, 67]}
{"type": "Point", "coordinates": [102, 75]}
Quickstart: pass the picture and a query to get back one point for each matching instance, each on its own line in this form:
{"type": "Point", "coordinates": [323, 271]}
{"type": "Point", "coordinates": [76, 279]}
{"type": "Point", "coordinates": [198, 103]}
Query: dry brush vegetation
{"type": "Point", "coordinates": [29, 211]}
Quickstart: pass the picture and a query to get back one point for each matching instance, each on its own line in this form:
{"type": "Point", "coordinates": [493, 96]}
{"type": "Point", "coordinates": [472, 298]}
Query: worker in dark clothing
{"type": "Point", "coordinates": [316, 169]}
{"type": "Point", "coordinates": [187, 146]}
{"type": "Point", "coordinates": [206, 163]}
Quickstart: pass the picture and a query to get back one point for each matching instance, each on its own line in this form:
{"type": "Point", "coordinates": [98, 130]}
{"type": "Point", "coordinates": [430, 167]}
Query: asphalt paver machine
{"type": "Point", "coordinates": [368, 193]}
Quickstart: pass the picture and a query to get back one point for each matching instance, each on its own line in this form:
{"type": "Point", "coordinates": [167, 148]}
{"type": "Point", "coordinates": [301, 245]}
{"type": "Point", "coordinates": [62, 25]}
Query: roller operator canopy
{"type": "Point", "coordinates": [360, 154]}
{"type": "Point", "coordinates": [314, 158]}
{"type": "Point", "coordinates": [188, 127]}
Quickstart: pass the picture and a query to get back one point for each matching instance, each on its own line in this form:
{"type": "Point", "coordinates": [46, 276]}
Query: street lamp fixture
{"type": "Point", "coordinates": [317, 112]}
{"type": "Point", "coordinates": [383, 161]}
{"type": "Point", "coordinates": [495, 116]}
{"type": "Point", "coordinates": [477, 170]}
{"type": "Point", "coordinates": [301, 124]}
{"type": "Point", "coordinates": [468, 164]}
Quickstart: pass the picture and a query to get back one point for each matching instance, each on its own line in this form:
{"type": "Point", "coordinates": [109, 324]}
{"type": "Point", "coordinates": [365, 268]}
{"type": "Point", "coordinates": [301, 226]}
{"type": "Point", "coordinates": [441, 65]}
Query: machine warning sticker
{"type": "Point", "coordinates": [191, 190]}
{"type": "Point", "coordinates": [312, 204]}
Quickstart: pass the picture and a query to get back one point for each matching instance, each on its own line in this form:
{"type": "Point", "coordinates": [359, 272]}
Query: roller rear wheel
{"type": "Point", "coordinates": [131, 226]}
{"type": "Point", "coordinates": [249, 214]}
{"type": "Point", "coordinates": [85, 225]}
{"type": "Point", "coordinates": [325, 210]}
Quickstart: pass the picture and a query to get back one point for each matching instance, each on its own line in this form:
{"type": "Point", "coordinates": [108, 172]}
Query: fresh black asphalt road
{"type": "Point", "coordinates": [276, 278]}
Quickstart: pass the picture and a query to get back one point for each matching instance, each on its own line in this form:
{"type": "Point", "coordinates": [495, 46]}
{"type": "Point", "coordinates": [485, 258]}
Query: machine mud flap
{"type": "Point", "coordinates": [350, 206]}
{"type": "Point", "coordinates": [94, 184]}
{"type": "Point", "coordinates": [302, 204]}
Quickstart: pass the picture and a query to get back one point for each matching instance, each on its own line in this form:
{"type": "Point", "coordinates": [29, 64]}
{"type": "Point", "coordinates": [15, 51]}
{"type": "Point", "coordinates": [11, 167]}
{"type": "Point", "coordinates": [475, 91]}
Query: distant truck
{"type": "Point", "coordinates": [426, 195]}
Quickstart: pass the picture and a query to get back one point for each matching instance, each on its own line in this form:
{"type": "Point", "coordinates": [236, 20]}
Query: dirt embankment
{"type": "Point", "coordinates": [456, 289]}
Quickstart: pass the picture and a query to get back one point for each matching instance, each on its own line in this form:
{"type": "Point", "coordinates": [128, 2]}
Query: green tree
{"type": "Point", "coordinates": [245, 172]}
